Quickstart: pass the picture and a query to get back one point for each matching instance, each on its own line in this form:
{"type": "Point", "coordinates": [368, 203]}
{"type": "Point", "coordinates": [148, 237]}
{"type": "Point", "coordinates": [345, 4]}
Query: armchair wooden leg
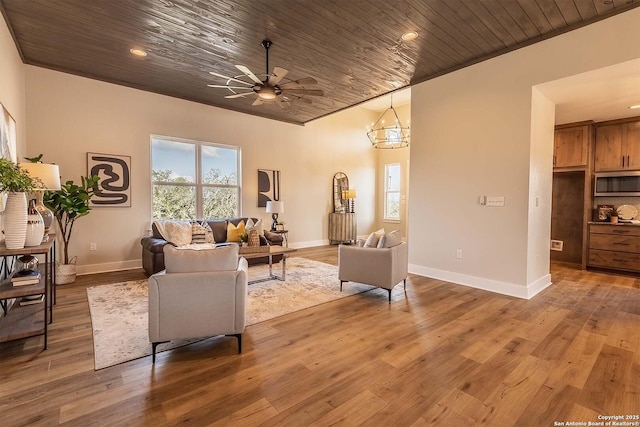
{"type": "Point", "coordinates": [341, 282]}
{"type": "Point", "coordinates": [389, 295]}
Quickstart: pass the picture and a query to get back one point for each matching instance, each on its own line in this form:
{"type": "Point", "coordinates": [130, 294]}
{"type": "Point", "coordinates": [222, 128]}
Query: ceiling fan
{"type": "Point", "coordinates": [270, 89]}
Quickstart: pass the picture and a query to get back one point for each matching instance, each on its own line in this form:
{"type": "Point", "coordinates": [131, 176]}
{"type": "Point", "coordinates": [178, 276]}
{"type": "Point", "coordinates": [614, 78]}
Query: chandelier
{"type": "Point", "coordinates": [392, 135]}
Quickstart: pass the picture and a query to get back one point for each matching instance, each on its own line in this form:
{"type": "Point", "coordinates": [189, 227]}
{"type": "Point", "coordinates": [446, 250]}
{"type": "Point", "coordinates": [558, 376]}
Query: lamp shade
{"type": "Point", "coordinates": [349, 194]}
{"type": "Point", "coordinates": [48, 174]}
{"type": "Point", "coordinates": [275, 207]}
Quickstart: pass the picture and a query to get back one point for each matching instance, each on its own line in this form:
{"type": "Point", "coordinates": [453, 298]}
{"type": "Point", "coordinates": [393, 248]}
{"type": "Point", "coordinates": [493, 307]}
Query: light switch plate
{"type": "Point", "coordinates": [495, 201]}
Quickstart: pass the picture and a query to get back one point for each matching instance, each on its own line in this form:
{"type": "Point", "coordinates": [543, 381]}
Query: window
{"type": "Point", "coordinates": [193, 179]}
{"type": "Point", "coordinates": [392, 191]}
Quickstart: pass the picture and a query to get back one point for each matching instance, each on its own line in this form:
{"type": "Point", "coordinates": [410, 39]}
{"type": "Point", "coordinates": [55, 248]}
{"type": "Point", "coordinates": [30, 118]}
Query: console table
{"type": "Point", "coordinates": [342, 227]}
{"type": "Point", "coordinates": [19, 321]}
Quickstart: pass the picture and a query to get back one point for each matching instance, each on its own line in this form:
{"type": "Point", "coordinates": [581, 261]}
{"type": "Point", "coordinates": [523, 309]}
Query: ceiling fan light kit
{"type": "Point", "coordinates": [269, 89]}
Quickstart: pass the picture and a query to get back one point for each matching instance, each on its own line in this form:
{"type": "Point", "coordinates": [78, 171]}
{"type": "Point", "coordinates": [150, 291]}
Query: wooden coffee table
{"type": "Point", "coordinates": [273, 250]}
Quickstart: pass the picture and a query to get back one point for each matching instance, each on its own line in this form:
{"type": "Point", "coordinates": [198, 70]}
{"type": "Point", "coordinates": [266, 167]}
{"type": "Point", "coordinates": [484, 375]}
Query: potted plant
{"type": "Point", "coordinates": [613, 216]}
{"type": "Point", "coordinates": [16, 182]}
{"type": "Point", "coordinates": [244, 238]}
{"type": "Point", "coordinates": [68, 204]}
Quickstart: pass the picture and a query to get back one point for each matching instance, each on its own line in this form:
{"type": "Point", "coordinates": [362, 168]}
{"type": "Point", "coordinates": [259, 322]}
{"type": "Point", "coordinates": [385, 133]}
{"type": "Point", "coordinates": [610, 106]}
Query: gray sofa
{"type": "Point", "coordinates": [152, 246]}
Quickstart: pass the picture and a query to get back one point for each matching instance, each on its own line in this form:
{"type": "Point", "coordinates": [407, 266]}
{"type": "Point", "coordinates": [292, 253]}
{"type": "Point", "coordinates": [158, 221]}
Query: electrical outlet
{"type": "Point", "coordinates": [459, 254]}
{"type": "Point", "coordinates": [93, 246]}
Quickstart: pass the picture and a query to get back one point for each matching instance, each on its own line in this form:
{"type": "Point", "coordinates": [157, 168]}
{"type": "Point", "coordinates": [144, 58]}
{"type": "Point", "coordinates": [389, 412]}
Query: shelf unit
{"type": "Point", "coordinates": [19, 321]}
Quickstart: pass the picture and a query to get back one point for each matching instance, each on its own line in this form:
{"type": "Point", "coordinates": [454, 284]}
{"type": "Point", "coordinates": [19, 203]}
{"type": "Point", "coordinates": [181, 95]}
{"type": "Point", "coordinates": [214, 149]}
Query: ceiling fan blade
{"type": "Point", "coordinates": [228, 87]}
{"type": "Point", "coordinates": [248, 73]}
{"type": "Point", "coordinates": [312, 92]}
{"type": "Point", "coordinates": [230, 78]}
{"type": "Point", "coordinates": [282, 104]}
{"type": "Point", "coordinates": [239, 95]}
{"type": "Point", "coordinates": [277, 75]}
{"type": "Point", "coordinates": [258, 101]}
{"type": "Point", "coordinates": [303, 81]}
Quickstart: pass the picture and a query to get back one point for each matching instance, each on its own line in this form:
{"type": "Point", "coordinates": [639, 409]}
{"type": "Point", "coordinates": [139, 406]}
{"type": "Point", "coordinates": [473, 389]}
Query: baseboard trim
{"type": "Point", "coordinates": [504, 288]}
{"type": "Point", "coordinates": [108, 267]}
{"type": "Point", "coordinates": [309, 244]}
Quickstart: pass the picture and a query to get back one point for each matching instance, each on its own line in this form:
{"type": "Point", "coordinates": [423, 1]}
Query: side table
{"type": "Point", "coordinates": [285, 236]}
{"type": "Point", "coordinates": [29, 320]}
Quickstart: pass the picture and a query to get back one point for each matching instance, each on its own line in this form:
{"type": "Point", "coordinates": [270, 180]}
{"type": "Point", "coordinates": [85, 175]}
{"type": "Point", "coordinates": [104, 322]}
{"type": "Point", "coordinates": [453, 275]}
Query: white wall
{"type": "Point", "coordinates": [70, 116]}
{"type": "Point", "coordinates": [472, 135]}
{"type": "Point", "coordinates": [401, 156]}
{"type": "Point", "coordinates": [12, 85]}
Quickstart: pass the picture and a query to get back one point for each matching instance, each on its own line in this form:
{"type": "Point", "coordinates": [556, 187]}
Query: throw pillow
{"type": "Point", "coordinates": [190, 260]}
{"type": "Point", "coordinates": [201, 232]}
{"type": "Point", "coordinates": [389, 240]}
{"type": "Point", "coordinates": [176, 232]}
{"type": "Point", "coordinates": [251, 225]}
{"type": "Point", "coordinates": [373, 239]}
{"type": "Point", "coordinates": [233, 232]}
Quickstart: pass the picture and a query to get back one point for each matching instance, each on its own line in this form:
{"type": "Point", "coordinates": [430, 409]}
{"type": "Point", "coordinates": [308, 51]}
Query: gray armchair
{"type": "Point", "coordinates": [202, 293]}
{"type": "Point", "coordinates": [382, 267]}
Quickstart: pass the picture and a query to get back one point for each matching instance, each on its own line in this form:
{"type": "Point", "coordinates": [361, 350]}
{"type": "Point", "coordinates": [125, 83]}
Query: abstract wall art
{"type": "Point", "coordinates": [114, 187]}
{"type": "Point", "coordinates": [268, 186]}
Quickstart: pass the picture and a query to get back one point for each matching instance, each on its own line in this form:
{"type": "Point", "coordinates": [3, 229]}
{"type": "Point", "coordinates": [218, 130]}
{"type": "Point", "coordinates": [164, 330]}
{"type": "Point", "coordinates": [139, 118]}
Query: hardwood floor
{"type": "Point", "coordinates": [444, 355]}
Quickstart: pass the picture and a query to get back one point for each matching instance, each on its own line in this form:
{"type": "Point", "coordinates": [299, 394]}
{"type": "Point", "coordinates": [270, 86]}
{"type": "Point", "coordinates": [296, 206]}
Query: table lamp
{"type": "Point", "coordinates": [350, 194]}
{"type": "Point", "coordinates": [49, 176]}
{"type": "Point", "coordinates": [274, 208]}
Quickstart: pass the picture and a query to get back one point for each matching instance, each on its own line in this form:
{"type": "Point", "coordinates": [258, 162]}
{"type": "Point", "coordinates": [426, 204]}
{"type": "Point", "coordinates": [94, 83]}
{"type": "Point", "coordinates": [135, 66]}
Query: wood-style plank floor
{"type": "Point", "coordinates": [442, 354]}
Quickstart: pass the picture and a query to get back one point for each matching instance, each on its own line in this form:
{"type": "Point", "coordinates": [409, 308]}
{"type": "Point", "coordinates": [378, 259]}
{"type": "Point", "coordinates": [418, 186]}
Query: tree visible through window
{"type": "Point", "coordinates": [392, 191]}
{"type": "Point", "coordinates": [193, 179]}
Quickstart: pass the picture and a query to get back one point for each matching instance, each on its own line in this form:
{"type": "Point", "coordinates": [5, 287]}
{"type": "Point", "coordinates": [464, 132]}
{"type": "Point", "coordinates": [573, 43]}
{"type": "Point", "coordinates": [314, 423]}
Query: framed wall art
{"type": "Point", "coordinates": [114, 187]}
{"type": "Point", "coordinates": [268, 186]}
{"type": "Point", "coordinates": [8, 143]}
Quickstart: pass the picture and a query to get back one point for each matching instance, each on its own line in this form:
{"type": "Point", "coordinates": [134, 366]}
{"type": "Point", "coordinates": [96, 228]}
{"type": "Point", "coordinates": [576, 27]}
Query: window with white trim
{"type": "Point", "coordinates": [392, 191]}
{"type": "Point", "coordinates": [194, 179]}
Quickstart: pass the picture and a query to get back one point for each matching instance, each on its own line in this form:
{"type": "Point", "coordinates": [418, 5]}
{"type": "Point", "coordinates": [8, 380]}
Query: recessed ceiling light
{"type": "Point", "coordinates": [410, 35]}
{"type": "Point", "coordinates": [633, 107]}
{"type": "Point", "coordinates": [138, 52]}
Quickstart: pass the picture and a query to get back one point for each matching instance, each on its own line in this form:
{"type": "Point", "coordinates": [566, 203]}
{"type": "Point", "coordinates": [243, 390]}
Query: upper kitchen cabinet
{"type": "Point", "coordinates": [618, 146]}
{"type": "Point", "coordinates": [571, 146]}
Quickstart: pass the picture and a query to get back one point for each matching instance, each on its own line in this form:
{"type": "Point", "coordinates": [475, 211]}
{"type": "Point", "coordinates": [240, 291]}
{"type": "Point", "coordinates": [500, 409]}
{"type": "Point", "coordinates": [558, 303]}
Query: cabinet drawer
{"type": "Point", "coordinates": [613, 242]}
{"type": "Point", "coordinates": [619, 230]}
{"type": "Point", "coordinates": [613, 259]}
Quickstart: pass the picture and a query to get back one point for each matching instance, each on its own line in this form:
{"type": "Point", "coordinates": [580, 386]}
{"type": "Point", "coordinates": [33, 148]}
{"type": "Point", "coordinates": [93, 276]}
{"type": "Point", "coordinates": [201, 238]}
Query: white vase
{"type": "Point", "coordinates": [15, 220]}
{"type": "Point", "coordinates": [35, 226]}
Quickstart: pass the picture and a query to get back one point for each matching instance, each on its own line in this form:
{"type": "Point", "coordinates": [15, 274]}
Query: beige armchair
{"type": "Point", "coordinates": [382, 267]}
{"type": "Point", "coordinates": [202, 293]}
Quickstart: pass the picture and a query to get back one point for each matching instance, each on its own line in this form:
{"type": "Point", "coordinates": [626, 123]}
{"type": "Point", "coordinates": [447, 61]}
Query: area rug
{"type": "Point", "coordinates": [119, 310]}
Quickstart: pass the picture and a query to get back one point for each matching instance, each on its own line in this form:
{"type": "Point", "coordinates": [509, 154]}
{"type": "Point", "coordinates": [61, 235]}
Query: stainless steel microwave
{"type": "Point", "coordinates": [617, 184]}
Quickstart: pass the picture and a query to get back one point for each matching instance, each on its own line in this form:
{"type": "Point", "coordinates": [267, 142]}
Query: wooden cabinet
{"type": "Point", "coordinates": [614, 246]}
{"type": "Point", "coordinates": [617, 147]}
{"type": "Point", "coordinates": [342, 227]}
{"type": "Point", "coordinates": [571, 146]}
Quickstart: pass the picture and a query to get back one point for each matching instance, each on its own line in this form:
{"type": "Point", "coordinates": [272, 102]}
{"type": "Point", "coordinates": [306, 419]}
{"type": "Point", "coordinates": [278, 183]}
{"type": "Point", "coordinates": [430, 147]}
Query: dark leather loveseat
{"type": "Point", "coordinates": [152, 246]}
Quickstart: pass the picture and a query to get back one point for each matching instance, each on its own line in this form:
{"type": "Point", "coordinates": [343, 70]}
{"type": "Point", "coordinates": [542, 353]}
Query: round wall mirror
{"type": "Point", "coordinates": [340, 184]}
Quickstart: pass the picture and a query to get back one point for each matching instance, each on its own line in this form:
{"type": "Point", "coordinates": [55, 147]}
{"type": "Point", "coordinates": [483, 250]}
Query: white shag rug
{"type": "Point", "coordinates": [119, 311]}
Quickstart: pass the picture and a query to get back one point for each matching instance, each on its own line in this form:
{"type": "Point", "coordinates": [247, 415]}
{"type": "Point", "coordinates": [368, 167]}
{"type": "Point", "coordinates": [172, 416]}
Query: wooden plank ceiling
{"type": "Point", "coordinates": [352, 48]}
